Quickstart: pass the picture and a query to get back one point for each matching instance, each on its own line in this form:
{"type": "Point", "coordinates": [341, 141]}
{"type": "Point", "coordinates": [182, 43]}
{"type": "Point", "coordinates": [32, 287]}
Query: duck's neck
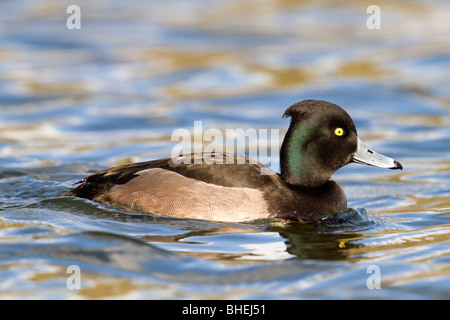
{"type": "Point", "coordinates": [298, 163]}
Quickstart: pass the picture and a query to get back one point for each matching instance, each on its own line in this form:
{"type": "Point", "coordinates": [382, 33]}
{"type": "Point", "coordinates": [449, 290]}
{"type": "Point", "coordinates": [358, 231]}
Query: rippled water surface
{"type": "Point", "coordinates": [76, 101]}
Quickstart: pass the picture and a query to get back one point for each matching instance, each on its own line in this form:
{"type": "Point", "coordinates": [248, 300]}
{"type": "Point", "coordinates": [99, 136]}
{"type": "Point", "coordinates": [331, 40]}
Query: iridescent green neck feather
{"type": "Point", "coordinates": [300, 163]}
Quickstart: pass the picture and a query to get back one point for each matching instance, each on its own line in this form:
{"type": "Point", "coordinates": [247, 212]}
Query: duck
{"type": "Point", "coordinates": [321, 138]}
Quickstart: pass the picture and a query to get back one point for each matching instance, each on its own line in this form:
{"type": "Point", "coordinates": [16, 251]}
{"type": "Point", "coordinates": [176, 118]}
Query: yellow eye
{"type": "Point", "coordinates": [339, 132]}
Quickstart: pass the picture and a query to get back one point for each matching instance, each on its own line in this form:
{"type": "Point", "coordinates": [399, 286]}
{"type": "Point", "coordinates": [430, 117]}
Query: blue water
{"type": "Point", "coordinates": [74, 102]}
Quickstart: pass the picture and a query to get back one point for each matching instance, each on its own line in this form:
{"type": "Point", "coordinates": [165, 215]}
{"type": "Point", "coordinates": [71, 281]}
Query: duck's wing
{"type": "Point", "coordinates": [220, 169]}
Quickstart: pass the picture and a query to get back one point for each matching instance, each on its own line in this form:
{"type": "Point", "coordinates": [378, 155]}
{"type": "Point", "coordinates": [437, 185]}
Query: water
{"type": "Point", "coordinates": [77, 101]}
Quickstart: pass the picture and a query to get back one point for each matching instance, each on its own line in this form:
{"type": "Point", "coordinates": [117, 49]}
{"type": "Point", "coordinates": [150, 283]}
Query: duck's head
{"type": "Point", "coordinates": [322, 138]}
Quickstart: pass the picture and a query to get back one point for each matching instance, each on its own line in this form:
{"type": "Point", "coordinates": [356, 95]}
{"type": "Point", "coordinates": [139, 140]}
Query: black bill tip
{"type": "Point", "coordinates": [397, 165]}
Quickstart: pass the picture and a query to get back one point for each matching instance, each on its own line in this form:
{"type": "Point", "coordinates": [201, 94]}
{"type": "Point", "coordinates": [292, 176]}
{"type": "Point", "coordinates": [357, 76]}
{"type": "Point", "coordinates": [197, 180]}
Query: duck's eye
{"type": "Point", "coordinates": [339, 132]}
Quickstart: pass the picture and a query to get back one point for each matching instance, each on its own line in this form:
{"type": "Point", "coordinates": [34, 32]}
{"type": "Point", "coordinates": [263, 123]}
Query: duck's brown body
{"type": "Point", "coordinates": [223, 192]}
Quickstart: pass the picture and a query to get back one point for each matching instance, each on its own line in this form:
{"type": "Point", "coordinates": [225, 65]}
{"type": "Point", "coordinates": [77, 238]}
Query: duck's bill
{"type": "Point", "coordinates": [365, 155]}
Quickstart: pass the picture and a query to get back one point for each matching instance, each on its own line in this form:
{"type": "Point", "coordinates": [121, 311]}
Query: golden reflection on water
{"type": "Point", "coordinates": [59, 88]}
{"type": "Point", "coordinates": [175, 60]}
{"type": "Point", "coordinates": [435, 204]}
{"type": "Point", "coordinates": [367, 69]}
